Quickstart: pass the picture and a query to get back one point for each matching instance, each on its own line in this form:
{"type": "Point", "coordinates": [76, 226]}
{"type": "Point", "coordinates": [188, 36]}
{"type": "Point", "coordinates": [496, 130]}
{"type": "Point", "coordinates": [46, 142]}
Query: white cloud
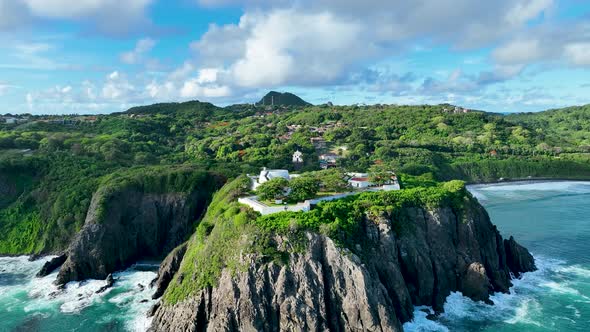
{"type": "Point", "coordinates": [284, 46]}
{"type": "Point", "coordinates": [321, 42]}
{"type": "Point", "coordinates": [117, 87]}
{"type": "Point", "coordinates": [518, 51]}
{"type": "Point", "coordinates": [13, 14]}
{"type": "Point", "coordinates": [578, 53]}
{"type": "Point", "coordinates": [193, 89]}
{"type": "Point", "coordinates": [107, 16]}
{"type": "Point", "coordinates": [526, 10]}
{"type": "Point", "coordinates": [136, 55]}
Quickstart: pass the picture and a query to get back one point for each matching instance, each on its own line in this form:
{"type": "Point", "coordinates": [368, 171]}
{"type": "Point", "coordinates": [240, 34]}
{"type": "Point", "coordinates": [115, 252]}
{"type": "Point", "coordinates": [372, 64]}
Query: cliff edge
{"type": "Point", "coordinates": [142, 216]}
{"type": "Point", "coordinates": [360, 263]}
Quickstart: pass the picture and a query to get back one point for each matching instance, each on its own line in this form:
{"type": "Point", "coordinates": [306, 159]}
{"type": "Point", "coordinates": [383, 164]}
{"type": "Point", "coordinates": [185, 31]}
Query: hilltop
{"type": "Point", "coordinates": [282, 99]}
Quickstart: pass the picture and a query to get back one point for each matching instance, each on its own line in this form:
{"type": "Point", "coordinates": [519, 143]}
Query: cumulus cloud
{"type": "Point", "coordinates": [106, 16]}
{"type": "Point", "coordinates": [578, 53]}
{"type": "Point", "coordinates": [117, 87]}
{"type": "Point", "coordinates": [321, 42]}
{"type": "Point", "coordinates": [569, 44]}
{"type": "Point", "coordinates": [136, 55]}
{"type": "Point", "coordinates": [12, 14]}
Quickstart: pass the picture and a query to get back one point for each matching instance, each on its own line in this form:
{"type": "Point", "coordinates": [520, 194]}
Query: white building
{"type": "Point", "coordinates": [360, 182]}
{"type": "Point", "coordinates": [267, 175]}
{"type": "Point", "coordinates": [298, 157]}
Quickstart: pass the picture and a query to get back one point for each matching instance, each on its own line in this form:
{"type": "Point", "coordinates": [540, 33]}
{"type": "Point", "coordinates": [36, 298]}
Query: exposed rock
{"type": "Point", "coordinates": [518, 258]}
{"type": "Point", "coordinates": [51, 265]}
{"type": "Point", "coordinates": [109, 283]}
{"type": "Point", "coordinates": [153, 309]}
{"type": "Point", "coordinates": [35, 257]}
{"type": "Point", "coordinates": [415, 257]}
{"type": "Point", "coordinates": [129, 225]}
{"type": "Point", "coordinates": [167, 270]}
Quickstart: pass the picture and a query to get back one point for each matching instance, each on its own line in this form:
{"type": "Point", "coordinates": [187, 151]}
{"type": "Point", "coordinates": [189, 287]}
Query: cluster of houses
{"type": "Point", "coordinates": [14, 119]}
{"type": "Point", "coordinates": [318, 141]}
{"type": "Point", "coordinates": [358, 182]}
{"type": "Point", "coordinates": [456, 110]}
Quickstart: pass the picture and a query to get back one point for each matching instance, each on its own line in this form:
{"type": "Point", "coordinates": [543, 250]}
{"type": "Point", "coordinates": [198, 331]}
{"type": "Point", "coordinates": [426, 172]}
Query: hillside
{"type": "Point", "coordinates": [570, 124]}
{"type": "Point", "coordinates": [357, 264]}
{"type": "Point", "coordinates": [60, 161]}
{"type": "Point", "coordinates": [282, 99]}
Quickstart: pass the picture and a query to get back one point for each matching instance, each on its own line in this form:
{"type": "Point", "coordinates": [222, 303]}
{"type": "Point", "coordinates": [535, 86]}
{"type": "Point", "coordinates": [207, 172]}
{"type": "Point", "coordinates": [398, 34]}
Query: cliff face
{"type": "Point", "coordinates": [417, 257]}
{"type": "Point", "coordinates": [130, 224]}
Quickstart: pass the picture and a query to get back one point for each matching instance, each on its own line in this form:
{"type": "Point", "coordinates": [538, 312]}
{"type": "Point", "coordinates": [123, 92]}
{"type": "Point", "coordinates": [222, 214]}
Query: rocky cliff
{"type": "Point", "coordinates": [415, 255]}
{"type": "Point", "coordinates": [133, 221]}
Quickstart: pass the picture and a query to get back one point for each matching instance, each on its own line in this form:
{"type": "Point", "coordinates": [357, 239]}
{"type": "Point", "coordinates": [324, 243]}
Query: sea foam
{"type": "Point", "coordinates": [521, 307]}
{"type": "Point", "coordinates": [21, 291]}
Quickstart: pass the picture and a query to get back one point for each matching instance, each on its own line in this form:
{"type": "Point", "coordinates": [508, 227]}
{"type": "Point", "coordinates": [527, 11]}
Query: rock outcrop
{"type": "Point", "coordinates": [415, 257]}
{"type": "Point", "coordinates": [131, 224]}
{"type": "Point", "coordinates": [51, 265]}
{"type": "Point", "coordinates": [518, 258]}
{"type": "Point", "coordinates": [167, 270]}
{"type": "Point", "coordinates": [109, 282]}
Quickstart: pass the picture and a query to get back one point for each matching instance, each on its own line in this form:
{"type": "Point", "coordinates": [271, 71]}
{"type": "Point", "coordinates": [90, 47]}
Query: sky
{"type": "Point", "coordinates": [102, 56]}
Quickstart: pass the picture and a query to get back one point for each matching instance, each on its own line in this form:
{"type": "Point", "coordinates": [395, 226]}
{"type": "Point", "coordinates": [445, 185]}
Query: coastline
{"type": "Point", "coordinates": [527, 181]}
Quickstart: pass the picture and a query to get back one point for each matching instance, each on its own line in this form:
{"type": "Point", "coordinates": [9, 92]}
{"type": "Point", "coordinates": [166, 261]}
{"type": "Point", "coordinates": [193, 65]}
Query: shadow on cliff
{"type": "Point", "coordinates": [141, 215]}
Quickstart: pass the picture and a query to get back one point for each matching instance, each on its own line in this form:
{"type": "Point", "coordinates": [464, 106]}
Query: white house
{"type": "Point", "coordinates": [360, 182]}
{"type": "Point", "coordinates": [267, 175]}
{"type": "Point", "coordinates": [298, 157]}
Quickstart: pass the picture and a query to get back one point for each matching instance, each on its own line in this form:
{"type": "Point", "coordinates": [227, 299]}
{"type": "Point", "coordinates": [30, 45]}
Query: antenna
{"type": "Point", "coordinates": [272, 98]}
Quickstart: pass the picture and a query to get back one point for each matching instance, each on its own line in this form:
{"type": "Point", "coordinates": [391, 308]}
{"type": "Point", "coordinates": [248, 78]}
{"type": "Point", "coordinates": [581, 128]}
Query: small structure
{"type": "Point", "coordinates": [360, 182]}
{"type": "Point", "coordinates": [318, 142]}
{"type": "Point", "coordinates": [298, 157]}
{"type": "Point", "coordinates": [267, 175]}
{"type": "Point", "coordinates": [328, 160]}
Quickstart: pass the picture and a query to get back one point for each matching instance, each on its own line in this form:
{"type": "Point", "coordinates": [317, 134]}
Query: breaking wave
{"type": "Point", "coordinates": [38, 299]}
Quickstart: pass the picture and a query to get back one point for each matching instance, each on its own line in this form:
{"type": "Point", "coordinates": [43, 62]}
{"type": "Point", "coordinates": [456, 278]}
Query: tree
{"type": "Point", "coordinates": [380, 175]}
{"type": "Point", "coordinates": [272, 189]}
{"type": "Point", "coordinates": [333, 180]}
{"type": "Point", "coordinates": [303, 188]}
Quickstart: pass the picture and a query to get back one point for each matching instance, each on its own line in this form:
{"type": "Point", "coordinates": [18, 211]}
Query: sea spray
{"type": "Point", "coordinates": [552, 219]}
{"type": "Point", "coordinates": [28, 302]}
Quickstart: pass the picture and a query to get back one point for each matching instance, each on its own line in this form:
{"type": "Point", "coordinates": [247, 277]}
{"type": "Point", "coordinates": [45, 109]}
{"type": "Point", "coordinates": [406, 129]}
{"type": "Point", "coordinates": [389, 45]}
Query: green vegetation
{"type": "Point", "coordinates": [303, 188]}
{"type": "Point", "coordinates": [273, 189]}
{"type": "Point", "coordinates": [282, 99]}
{"type": "Point", "coordinates": [230, 231]}
{"type": "Point", "coordinates": [50, 166]}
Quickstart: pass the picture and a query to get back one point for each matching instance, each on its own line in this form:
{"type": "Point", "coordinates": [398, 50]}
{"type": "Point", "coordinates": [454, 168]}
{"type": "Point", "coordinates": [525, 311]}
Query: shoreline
{"type": "Point", "coordinates": [527, 180]}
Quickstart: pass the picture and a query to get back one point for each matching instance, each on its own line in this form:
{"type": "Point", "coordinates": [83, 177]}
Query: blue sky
{"type": "Point", "coordinates": [101, 56]}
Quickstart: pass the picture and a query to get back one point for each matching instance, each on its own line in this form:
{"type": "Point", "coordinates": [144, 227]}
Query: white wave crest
{"type": "Point", "coordinates": [41, 295]}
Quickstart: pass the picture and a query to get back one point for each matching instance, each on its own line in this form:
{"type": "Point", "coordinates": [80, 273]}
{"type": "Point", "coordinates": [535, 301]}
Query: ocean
{"type": "Point", "coordinates": [35, 304]}
{"type": "Point", "coordinates": [551, 219]}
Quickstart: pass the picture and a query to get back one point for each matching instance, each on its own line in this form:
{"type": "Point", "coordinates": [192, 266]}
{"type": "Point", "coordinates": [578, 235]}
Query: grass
{"type": "Point", "coordinates": [229, 232]}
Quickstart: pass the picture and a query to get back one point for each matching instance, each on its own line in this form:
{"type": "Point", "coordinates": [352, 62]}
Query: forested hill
{"type": "Point", "coordinates": [282, 99]}
{"type": "Point", "coordinates": [570, 123]}
{"type": "Point", "coordinates": [61, 160]}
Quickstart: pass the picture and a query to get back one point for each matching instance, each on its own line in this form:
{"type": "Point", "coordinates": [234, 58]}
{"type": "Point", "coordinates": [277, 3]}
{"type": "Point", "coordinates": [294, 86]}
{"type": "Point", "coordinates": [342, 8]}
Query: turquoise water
{"type": "Point", "coordinates": [552, 220]}
{"type": "Point", "coordinates": [35, 304]}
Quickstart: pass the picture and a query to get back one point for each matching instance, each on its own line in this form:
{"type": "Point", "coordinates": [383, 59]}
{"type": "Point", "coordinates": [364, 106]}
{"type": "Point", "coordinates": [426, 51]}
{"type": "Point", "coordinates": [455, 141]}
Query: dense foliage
{"type": "Point", "coordinates": [229, 231]}
{"type": "Point", "coordinates": [50, 166]}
